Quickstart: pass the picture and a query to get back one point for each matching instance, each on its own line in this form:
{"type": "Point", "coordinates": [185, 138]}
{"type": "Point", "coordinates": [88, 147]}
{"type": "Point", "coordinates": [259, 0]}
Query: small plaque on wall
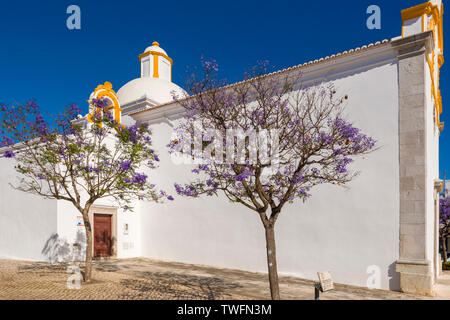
{"type": "Point", "coordinates": [325, 281]}
{"type": "Point", "coordinates": [80, 221]}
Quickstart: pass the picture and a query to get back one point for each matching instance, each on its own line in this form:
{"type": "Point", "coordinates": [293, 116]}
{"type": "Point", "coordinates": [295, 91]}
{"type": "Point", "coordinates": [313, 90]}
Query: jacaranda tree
{"type": "Point", "coordinates": [59, 159]}
{"type": "Point", "coordinates": [264, 143]}
{"type": "Point", "coordinates": [444, 224]}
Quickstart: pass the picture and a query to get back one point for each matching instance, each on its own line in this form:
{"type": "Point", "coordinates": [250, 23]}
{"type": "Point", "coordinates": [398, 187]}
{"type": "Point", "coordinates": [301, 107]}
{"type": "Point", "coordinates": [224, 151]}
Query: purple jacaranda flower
{"type": "Point", "coordinates": [298, 178]}
{"type": "Point", "coordinates": [139, 178]}
{"type": "Point", "coordinates": [210, 183]}
{"type": "Point", "coordinates": [188, 190]}
{"type": "Point", "coordinates": [91, 169]}
{"type": "Point", "coordinates": [240, 177]}
{"type": "Point", "coordinates": [133, 131]}
{"type": "Point", "coordinates": [342, 164]}
{"type": "Point", "coordinates": [170, 198]}
{"type": "Point", "coordinates": [32, 104]}
{"type": "Point", "coordinates": [125, 165]}
{"type": "Point", "coordinates": [6, 141]}
{"type": "Point", "coordinates": [9, 154]}
{"type": "Point", "coordinates": [40, 124]}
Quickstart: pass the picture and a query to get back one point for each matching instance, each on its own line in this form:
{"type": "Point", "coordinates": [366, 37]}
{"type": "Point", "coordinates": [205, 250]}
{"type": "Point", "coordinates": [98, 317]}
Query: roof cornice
{"type": "Point", "coordinates": [345, 58]}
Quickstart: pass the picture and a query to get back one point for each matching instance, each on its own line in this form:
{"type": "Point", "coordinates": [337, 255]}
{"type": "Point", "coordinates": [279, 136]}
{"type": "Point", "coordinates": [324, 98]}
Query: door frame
{"type": "Point", "coordinates": [105, 210]}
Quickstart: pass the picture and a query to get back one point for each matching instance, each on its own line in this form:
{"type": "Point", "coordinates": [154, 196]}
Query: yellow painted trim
{"type": "Point", "coordinates": [441, 29]}
{"type": "Point", "coordinates": [441, 60]}
{"type": "Point", "coordinates": [436, 26]}
{"type": "Point", "coordinates": [435, 92]}
{"type": "Point", "coordinates": [157, 54]}
{"type": "Point", "coordinates": [426, 8]}
{"type": "Point", "coordinates": [105, 90]}
{"type": "Point", "coordinates": [423, 23]}
{"type": "Point", "coordinates": [419, 10]}
{"type": "Point", "coordinates": [155, 66]}
{"type": "Point", "coordinates": [414, 12]}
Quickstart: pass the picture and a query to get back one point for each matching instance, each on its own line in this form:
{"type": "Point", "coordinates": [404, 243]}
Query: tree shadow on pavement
{"type": "Point", "coordinates": [44, 268]}
{"type": "Point", "coordinates": [169, 285]}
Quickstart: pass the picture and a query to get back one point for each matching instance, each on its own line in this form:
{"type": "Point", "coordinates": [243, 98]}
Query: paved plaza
{"type": "Point", "coordinates": [150, 279]}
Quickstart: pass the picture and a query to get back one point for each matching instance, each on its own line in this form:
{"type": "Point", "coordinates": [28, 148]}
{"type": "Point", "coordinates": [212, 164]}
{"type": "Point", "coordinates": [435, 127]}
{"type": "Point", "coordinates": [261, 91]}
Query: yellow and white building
{"type": "Point", "coordinates": [387, 221]}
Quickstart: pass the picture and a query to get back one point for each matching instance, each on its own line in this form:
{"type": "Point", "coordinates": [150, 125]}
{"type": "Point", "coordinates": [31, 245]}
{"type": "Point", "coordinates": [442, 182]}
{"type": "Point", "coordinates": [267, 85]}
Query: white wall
{"type": "Point", "coordinates": [342, 231]}
{"type": "Point", "coordinates": [127, 245]}
{"type": "Point", "coordinates": [413, 26]}
{"type": "Point", "coordinates": [34, 228]}
{"type": "Point", "coordinates": [164, 68]}
{"type": "Point", "coordinates": [432, 161]}
{"type": "Point", "coordinates": [27, 221]}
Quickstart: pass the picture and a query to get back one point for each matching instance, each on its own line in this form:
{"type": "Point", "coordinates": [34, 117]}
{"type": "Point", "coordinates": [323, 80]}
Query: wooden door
{"type": "Point", "coordinates": [102, 235]}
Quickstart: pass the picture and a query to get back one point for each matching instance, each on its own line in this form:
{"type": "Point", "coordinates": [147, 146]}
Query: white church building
{"type": "Point", "coordinates": [386, 222]}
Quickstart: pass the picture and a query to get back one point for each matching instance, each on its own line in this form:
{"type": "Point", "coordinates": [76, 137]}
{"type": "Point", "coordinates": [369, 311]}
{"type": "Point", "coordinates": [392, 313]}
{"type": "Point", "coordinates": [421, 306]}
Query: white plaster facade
{"type": "Point", "coordinates": [385, 219]}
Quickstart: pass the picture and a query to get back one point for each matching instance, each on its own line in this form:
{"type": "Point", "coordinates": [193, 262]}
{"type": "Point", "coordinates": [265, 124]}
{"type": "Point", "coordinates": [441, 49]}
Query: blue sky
{"type": "Point", "coordinates": [41, 59]}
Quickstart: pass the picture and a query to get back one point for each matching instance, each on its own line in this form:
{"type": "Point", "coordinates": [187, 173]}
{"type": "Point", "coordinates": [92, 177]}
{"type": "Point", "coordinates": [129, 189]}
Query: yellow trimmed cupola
{"type": "Point", "coordinates": [156, 63]}
{"type": "Point", "coordinates": [154, 86]}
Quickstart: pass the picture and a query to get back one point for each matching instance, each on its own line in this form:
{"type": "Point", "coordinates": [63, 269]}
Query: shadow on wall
{"type": "Point", "coordinates": [58, 249]}
{"type": "Point", "coordinates": [394, 278]}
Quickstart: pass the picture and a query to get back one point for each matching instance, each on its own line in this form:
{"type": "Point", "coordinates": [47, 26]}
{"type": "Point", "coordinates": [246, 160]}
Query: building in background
{"type": "Point", "coordinates": [445, 191]}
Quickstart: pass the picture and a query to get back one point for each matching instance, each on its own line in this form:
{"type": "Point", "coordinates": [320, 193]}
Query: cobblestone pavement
{"type": "Point", "coordinates": [141, 278]}
{"type": "Point", "coordinates": [442, 287]}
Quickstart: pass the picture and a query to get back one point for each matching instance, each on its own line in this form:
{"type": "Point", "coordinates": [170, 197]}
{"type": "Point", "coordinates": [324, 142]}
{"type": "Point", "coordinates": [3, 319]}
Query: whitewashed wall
{"type": "Point", "coordinates": [127, 245]}
{"type": "Point", "coordinates": [27, 222]}
{"type": "Point", "coordinates": [34, 228]}
{"type": "Point", "coordinates": [342, 231]}
{"type": "Point", "coordinates": [413, 26]}
{"type": "Point", "coordinates": [432, 161]}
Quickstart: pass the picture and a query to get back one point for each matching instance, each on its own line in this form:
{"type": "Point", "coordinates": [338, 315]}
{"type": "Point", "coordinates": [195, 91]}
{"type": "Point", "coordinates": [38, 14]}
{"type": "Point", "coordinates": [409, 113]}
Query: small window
{"type": "Point", "coordinates": [146, 68]}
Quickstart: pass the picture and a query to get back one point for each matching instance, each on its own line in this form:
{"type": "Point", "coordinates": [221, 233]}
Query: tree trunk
{"type": "Point", "coordinates": [88, 261]}
{"type": "Point", "coordinates": [444, 248]}
{"type": "Point", "coordinates": [272, 262]}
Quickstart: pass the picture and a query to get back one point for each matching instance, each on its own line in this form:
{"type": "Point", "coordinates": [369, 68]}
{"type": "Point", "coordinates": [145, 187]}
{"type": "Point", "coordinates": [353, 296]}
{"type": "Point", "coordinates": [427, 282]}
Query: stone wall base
{"type": "Point", "coordinates": [416, 277]}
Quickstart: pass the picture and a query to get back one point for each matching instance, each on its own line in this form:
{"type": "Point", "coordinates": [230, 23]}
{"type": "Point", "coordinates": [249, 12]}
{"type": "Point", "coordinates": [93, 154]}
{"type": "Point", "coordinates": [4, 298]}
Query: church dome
{"type": "Point", "coordinates": [156, 48]}
{"type": "Point", "coordinates": [157, 90]}
{"type": "Point", "coordinates": [155, 83]}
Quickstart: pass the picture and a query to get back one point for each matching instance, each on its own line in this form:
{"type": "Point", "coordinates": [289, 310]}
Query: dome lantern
{"type": "Point", "coordinates": [154, 86]}
{"type": "Point", "coordinates": [155, 63]}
